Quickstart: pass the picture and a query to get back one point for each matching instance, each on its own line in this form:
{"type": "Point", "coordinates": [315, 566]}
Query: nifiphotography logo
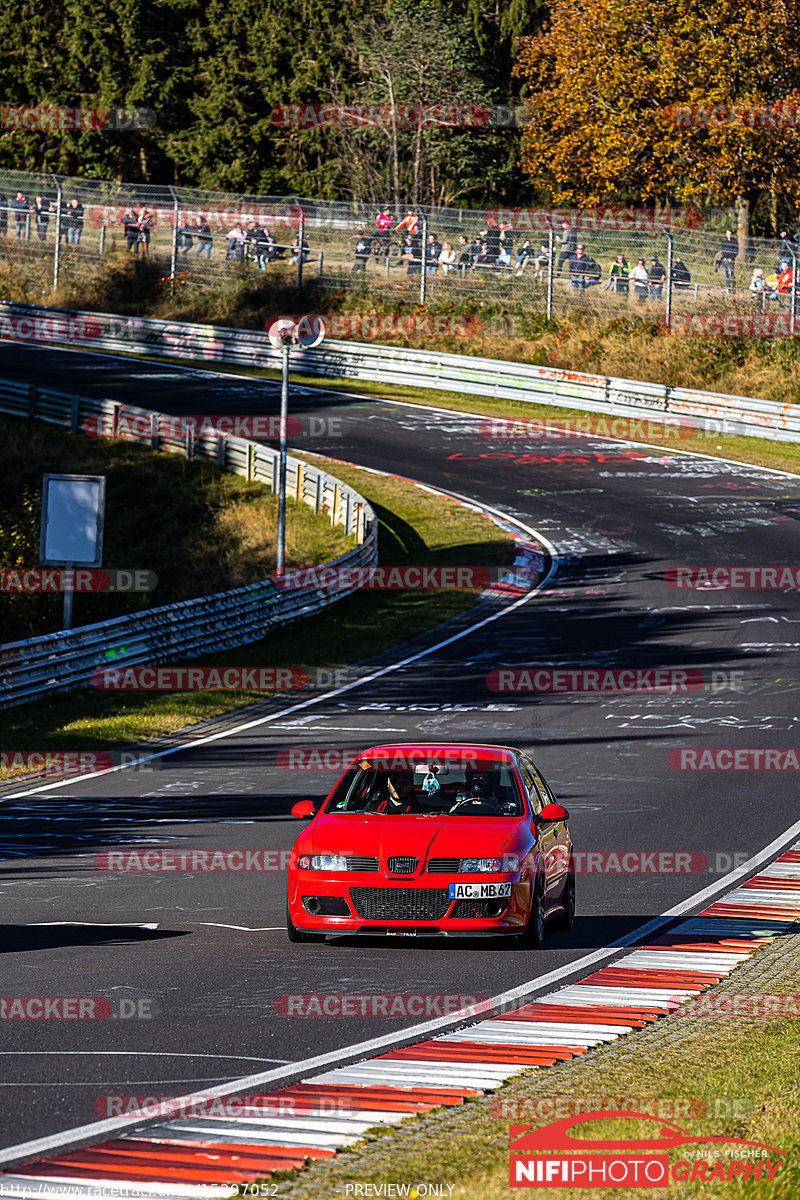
{"type": "Point", "coordinates": [550, 1156]}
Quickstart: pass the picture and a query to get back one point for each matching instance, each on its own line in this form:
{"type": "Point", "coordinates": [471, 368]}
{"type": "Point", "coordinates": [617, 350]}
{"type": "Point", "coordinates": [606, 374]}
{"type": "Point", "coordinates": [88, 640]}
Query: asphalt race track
{"type": "Point", "coordinates": [212, 969]}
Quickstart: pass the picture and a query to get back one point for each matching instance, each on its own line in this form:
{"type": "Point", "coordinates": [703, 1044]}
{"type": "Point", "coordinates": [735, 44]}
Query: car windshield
{"type": "Point", "coordinates": [484, 788]}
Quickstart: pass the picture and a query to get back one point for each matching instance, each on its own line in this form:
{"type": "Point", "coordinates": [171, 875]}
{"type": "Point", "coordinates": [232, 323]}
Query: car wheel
{"type": "Point", "coordinates": [299, 935]}
{"type": "Point", "coordinates": [567, 918]}
{"type": "Point", "coordinates": [534, 930]}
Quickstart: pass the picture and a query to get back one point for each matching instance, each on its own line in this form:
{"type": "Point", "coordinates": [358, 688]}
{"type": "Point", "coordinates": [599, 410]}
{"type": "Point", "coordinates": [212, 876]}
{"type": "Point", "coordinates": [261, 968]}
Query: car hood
{"type": "Point", "coordinates": [420, 836]}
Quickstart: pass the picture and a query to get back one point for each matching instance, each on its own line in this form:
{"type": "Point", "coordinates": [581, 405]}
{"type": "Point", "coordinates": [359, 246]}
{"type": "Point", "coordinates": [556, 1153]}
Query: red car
{"type": "Point", "coordinates": [433, 839]}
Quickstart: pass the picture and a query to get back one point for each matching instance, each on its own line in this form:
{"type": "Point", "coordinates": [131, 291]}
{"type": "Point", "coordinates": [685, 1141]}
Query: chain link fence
{"type": "Point", "coordinates": [676, 265]}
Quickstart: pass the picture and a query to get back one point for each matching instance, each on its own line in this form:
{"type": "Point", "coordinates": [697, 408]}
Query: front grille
{"type": "Point", "coordinates": [443, 866]}
{"type": "Point", "coordinates": [479, 908]}
{"type": "Point", "coordinates": [402, 864]}
{"type": "Point", "coordinates": [326, 906]}
{"type": "Point", "coordinates": [400, 904]}
{"type": "Point", "coordinates": [355, 863]}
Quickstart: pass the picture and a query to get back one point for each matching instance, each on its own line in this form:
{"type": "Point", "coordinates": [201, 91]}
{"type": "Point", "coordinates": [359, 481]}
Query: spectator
{"type": "Point", "coordinates": [3, 215]}
{"type": "Point", "coordinates": [465, 255]}
{"type": "Point", "coordinates": [482, 257]}
{"type": "Point", "coordinates": [130, 228]}
{"type": "Point", "coordinates": [681, 275]}
{"type": "Point", "coordinates": [250, 240]}
{"type": "Point", "coordinates": [542, 261]}
{"type": "Point", "coordinates": [41, 207]}
{"type": "Point", "coordinates": [525, 252]}
{"type": "Point", "coordinates": [618, 274]}
{"type": "Point", "coordinates": [185, 239]}
{"type": "Point", "coordinates": [412, 254]}
{"type": "Point", "coordinates": [20, 207]}
{"type": "Point", "coordinates": [506, 244]}
{"type": "Point", "coordinates": [363, 250]}
{"type": "Point", "coordinates": [410, 222]}
{"type": "Point", "coordinates": [727, 256]}
{"type": "Point", "coordinates": [298, 250]}
{"type": "Point", "coordinates": [786, 246]}
{"type": "Point", "coordinates": [594, 273]}
{"type": "Point", "coordinates": [274, 250]}
{"type": "Point", "coordinates": [761, 289]}
{"type": "Point", "coordinates": [205, 240]}
{"type": "Point", "coordinates": [785, 276]}
{"type": "Point", "coordinates": [640, 280]}
{"type": "Point", "coordinates": [383, 225]}
{"type": "Point", "coordinates": [235, 238]}
{"type": "Point", "coordinates": [569, 242]}
{"type": "Point", "coordinates": [582, 270]}
{"type": "Point", "coordinates": [146, 223]}
{"type": "Point", "coordinates": [656, 276]}
{"type": "Point", "coordinates": [491, 238]}
{"type": "Point", "coordinates": [432, 251]}
{"type": "Point", "coordinates": [448, 258]}
{"type": "Point", "coordinates": [74, 222]}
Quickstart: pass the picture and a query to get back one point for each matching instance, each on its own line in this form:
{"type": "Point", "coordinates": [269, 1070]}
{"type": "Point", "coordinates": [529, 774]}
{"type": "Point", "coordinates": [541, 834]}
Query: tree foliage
{"type": "Point", "coordinates": [603, 79]}
{"type": "Point", "coordinates": [214, 72]}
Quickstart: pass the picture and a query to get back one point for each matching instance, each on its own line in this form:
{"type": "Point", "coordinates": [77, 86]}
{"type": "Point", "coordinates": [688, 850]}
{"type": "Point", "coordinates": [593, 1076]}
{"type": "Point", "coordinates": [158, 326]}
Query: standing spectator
{"type": "Point", "coordinates": [786, 246]}
{"type": "Point", "coordinates": [383, 225]}
{"type": "Point", "coordinates": [618, 274]}
{"type": "Point", "coordinates": [41, 207]}
{"type": "Point", "coordinates": [205, 240]}
{"type": "Point", "coordinates": [569, 243]}
{"type": "Point", "coordinates": [581, 270]}
{"type": "Point", "coordinates": [235, 238]}
{"type": "Point", "coordinates": [656, 276]}
{"type": "Point", "coordinates": [251, 240]}
{"type": "Point", "coordinates": [74, 222]}
{"type": "Point", "coordinates": [640, 280]}
{"type": "Point", "coordinates": [262, 248]}
{"type": "Point", "coordinates": [20, 208]}
{"type": "Point", "coordinates": [448, 258]}
{"type": "Point", "coordinates": [130, 228]}
{"type": "Point", "coordinates": [681, 275]}
{"type": "Point", "coordinates": [3, 214]}
{"type": "Point", "coordinates": [185, 238]}
{"type": "Point", "coordinates": [363, 251]}
{"type": "Point", "coordinates": [491, 241]}
{"type": "Point", "coordinates": [506, 244]}
{"type": "Point", "coordinates": [146, 223]}
{"type": "Point", "coordinates": [410, 222]}
{"type": "Point", "coordinates": [727, 253]}
{"type": "Point", "coordinates": [432, 251]}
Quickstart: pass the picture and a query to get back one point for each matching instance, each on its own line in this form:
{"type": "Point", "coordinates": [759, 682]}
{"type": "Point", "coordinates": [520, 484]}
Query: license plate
{"type": "Point", "coordinates": [478, 891]}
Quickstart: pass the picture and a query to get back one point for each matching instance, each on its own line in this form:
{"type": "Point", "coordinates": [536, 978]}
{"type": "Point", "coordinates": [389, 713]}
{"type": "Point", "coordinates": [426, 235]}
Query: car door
{"type": "Point", "coordinates": [546, 837]}
{"type": "Point", "coordinates": [553, 836]}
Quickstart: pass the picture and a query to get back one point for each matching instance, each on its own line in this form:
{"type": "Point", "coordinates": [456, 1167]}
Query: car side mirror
{"type": "Point", "coordinates": [554, 812]}
{"type": "Point", "coordinates": [303, 810]}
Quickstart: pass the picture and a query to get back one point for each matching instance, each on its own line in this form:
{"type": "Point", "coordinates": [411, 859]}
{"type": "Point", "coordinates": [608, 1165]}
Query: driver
{"type": "Point", "coordinates": [400, 794]}
{"type": "Point", "coordinates": [481, 785]}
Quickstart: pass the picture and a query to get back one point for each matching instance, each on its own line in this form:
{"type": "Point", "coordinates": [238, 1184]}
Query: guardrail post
{"type": "Point", "coordinates": [221, 450]}
{"type": "Point", "coordinates": [551, 250]}
{"type": "Point", "coordinates": [31, 401]}
{"type": "Point", "coordinates": [318, 493]}
{"type": "Point", "coordinates": [301, 240]}
{"type": "Point", "coordinates": [335, 502]}
{"type": "Point", "coordinates": [423, 283]}
{"type": "Point", "coordinates": [57, 253]}
{"type": "Point", "coordinates": [103, 238]}
{"type": "Point", "coordinates": [153, 431]}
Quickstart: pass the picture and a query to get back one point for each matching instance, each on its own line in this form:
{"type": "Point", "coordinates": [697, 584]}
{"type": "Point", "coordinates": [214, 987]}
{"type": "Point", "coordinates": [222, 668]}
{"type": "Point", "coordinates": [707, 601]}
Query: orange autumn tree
{"type": "Point", "coordinates": [607, 85]}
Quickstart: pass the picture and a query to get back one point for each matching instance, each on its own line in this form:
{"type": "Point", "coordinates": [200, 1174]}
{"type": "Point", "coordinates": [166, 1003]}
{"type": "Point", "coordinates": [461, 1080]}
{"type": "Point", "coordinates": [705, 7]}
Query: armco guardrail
{"type": "Point", "coordinates": [59, 661]}
{"type": "Point", "coordinates": [473, 376]}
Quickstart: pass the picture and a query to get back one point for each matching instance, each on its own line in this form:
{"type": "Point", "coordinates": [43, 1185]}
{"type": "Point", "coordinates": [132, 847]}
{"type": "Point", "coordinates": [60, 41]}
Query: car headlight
{"type": "Point", "coordinates": [487, 866]}
{"type": "Point", "coordinates": [322, 862]}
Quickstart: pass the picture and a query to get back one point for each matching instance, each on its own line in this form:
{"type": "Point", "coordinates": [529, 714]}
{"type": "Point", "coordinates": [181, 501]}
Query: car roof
{"type": "Point", "coordinates": [440, 749]}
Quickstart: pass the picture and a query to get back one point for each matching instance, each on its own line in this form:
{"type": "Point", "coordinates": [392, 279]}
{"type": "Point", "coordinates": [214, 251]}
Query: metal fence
{"type": "Point", "coordinates": [517, 259]}
{"type": "Point", "coordinates": [464, 374]}
{"type": "Point", "coordinates": [57, 662]}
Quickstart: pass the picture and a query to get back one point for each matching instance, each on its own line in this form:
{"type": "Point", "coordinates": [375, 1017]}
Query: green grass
{"type": "Point", "coordinates": [414, 527]}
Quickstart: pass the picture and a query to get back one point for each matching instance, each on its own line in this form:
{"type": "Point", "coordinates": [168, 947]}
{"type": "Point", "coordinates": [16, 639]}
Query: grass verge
{"type": "Point", "coordinates": [414, 527]}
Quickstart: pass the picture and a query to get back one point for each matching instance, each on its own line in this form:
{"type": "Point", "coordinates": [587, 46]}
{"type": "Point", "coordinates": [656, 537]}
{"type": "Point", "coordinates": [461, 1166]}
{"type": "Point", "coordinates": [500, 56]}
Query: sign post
{"type": "Point", "coordinates": [284, 333]}
{"type": "Point", "coordinates": [73, 514]}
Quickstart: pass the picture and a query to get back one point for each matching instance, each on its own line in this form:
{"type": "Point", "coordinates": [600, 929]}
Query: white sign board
{"type": "Point", "coordinates": [73, 510]}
